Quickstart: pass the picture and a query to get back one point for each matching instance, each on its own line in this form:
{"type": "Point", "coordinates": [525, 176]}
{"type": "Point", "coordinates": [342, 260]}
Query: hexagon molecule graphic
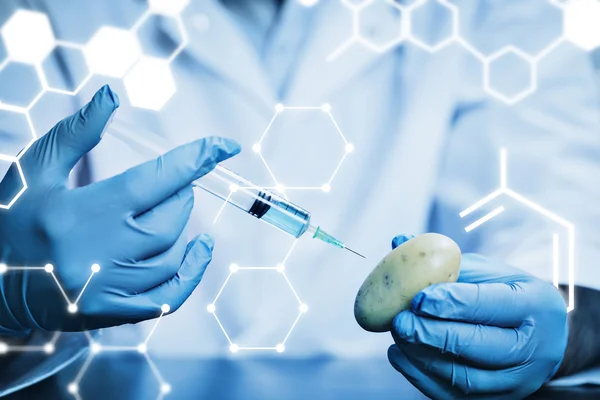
{"type": "Point", "coordinates": [28, 36]}
{"type": "Point", "coordinates": [168, 7]}
{"type": "Point", "coordinates": [96, 347]}
{"type": "Point", "coordinates": [112, 52]}
{"type": "Point", "coordinates": [582, 23]}
{"type": "Point", "coordinates": [345, 148]}
{"type": "Point", "coordinates": [279, 347]}
{"type": "Point", "coordinates": [510, 75]}
{"type": "Point", "coordinates": [444, 35]}
{"type": "Point", "coordinates": [78, 70]}
{"type": "Point", "coordinates": [150, 83]}
{"type": "Point", "coordinates": [381, 25]}
{"type": "Point", "coordinates": [19, 84]}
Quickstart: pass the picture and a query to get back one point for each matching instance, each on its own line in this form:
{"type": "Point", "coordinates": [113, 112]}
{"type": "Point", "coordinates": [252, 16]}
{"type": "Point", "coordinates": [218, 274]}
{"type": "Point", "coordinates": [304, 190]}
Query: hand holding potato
{"type": "Point", "coordinates": [498, 333]}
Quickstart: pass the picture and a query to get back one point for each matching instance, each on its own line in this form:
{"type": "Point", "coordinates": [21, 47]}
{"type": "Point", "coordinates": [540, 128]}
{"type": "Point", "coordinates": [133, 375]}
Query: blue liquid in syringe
{"type": "Point", "coordinates": [284, 216]}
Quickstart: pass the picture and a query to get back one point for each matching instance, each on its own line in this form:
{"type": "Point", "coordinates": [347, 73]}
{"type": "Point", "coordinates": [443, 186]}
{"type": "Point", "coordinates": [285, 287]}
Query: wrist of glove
{"type": "Point", "coordinates": [497, 333]}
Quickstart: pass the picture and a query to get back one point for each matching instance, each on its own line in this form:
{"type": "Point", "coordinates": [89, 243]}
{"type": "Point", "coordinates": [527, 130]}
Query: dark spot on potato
{"type": "Point", "coordinates": [404, 257]}
{"type": "Point", "coordinates": [422, 254]}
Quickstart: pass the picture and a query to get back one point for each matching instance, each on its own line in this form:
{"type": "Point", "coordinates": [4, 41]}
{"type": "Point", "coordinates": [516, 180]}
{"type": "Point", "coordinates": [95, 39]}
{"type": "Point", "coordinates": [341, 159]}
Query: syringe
{"type": "Point", "coordinates": [235, 190]}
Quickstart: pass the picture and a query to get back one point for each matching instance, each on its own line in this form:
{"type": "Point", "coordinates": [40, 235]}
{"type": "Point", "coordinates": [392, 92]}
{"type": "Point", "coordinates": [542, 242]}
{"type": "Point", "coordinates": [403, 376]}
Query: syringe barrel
{"type": "Point", "coordinates": [225, 184]}
{"type": "Point", "coordinates": [254, 200]}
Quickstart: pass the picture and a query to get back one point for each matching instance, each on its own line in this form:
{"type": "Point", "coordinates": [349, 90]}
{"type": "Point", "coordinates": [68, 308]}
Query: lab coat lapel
{"type": "Point", "coordinates": [325, 38]}
{"type": "Point", "coordinates": [223, 48]}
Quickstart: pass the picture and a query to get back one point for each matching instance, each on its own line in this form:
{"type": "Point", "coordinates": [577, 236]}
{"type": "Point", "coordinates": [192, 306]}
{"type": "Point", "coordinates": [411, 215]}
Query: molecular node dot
{"type": "Point", "coordinates": [165, 388]}
{"type": "Point", "coordinates": [72, 388]}
{"type": "Point", "coordinates": [95, 348]}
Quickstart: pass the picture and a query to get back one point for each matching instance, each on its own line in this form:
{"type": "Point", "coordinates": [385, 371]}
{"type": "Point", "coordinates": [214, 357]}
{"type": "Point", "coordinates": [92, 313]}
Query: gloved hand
{"type": "Point", "coordinates": [132, 225]}
{"type": "Point", "coordinates": [498, 333]}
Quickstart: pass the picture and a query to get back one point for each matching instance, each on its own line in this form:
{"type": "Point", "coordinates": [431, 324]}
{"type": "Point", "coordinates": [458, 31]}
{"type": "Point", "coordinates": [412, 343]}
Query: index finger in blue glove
{"type": "Point", "coordinates": [475, 268]}
{"type": "Point", "coordinates": [151, 183]}
{"type": "Point", "coordinates": [486, 346]}
{"type": "Point", "coordinates": [488, 292]}
{"type": "Point", "coordinates": [499, 304]}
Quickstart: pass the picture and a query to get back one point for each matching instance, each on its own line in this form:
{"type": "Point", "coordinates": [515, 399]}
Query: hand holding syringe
{"type": "Point", "coordinates": [235, 190]}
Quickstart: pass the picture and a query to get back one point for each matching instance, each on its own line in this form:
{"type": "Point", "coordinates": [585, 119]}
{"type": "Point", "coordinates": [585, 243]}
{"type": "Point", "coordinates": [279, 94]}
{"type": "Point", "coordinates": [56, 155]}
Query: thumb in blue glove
{"type": "Point", "coordinates": [497, 333]}
{"type": "Point", "coordinates": [132, 225]}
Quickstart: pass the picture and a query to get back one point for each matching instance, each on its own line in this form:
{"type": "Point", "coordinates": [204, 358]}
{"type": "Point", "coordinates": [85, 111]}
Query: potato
{"type": "Point", "coordinates": [405, 271]}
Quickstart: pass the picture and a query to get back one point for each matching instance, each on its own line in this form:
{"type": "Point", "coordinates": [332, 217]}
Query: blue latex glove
{"type": "Point", "coordinates": [132, 225]}
{"type": "Point", "coordinates": [498, 333]}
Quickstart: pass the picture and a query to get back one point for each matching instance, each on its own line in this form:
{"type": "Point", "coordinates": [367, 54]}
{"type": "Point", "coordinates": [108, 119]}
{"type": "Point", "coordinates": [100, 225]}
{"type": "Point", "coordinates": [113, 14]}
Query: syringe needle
{"type": "Point", "coordinates": [358, 254]}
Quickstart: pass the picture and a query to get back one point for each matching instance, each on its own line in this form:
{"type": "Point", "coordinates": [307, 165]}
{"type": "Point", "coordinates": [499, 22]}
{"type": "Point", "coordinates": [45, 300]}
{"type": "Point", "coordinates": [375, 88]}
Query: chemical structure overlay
{"type": "Point", "coordinates": [72, 305]}
{"type": "Point", "coordinates": [557, 239]}
{"type": "Point", "coordinates": [142, 348]}
{"type": "Point", "coordinates": [235, 269]}
{"type": "Point", "coordinates": [111, 52]}
{"type": "Point", "coordinates": [279, 110]}
{"type": "Point", "coordinates": [580, 28]}
{"type": "Point", "coordinates": [278, 186]}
